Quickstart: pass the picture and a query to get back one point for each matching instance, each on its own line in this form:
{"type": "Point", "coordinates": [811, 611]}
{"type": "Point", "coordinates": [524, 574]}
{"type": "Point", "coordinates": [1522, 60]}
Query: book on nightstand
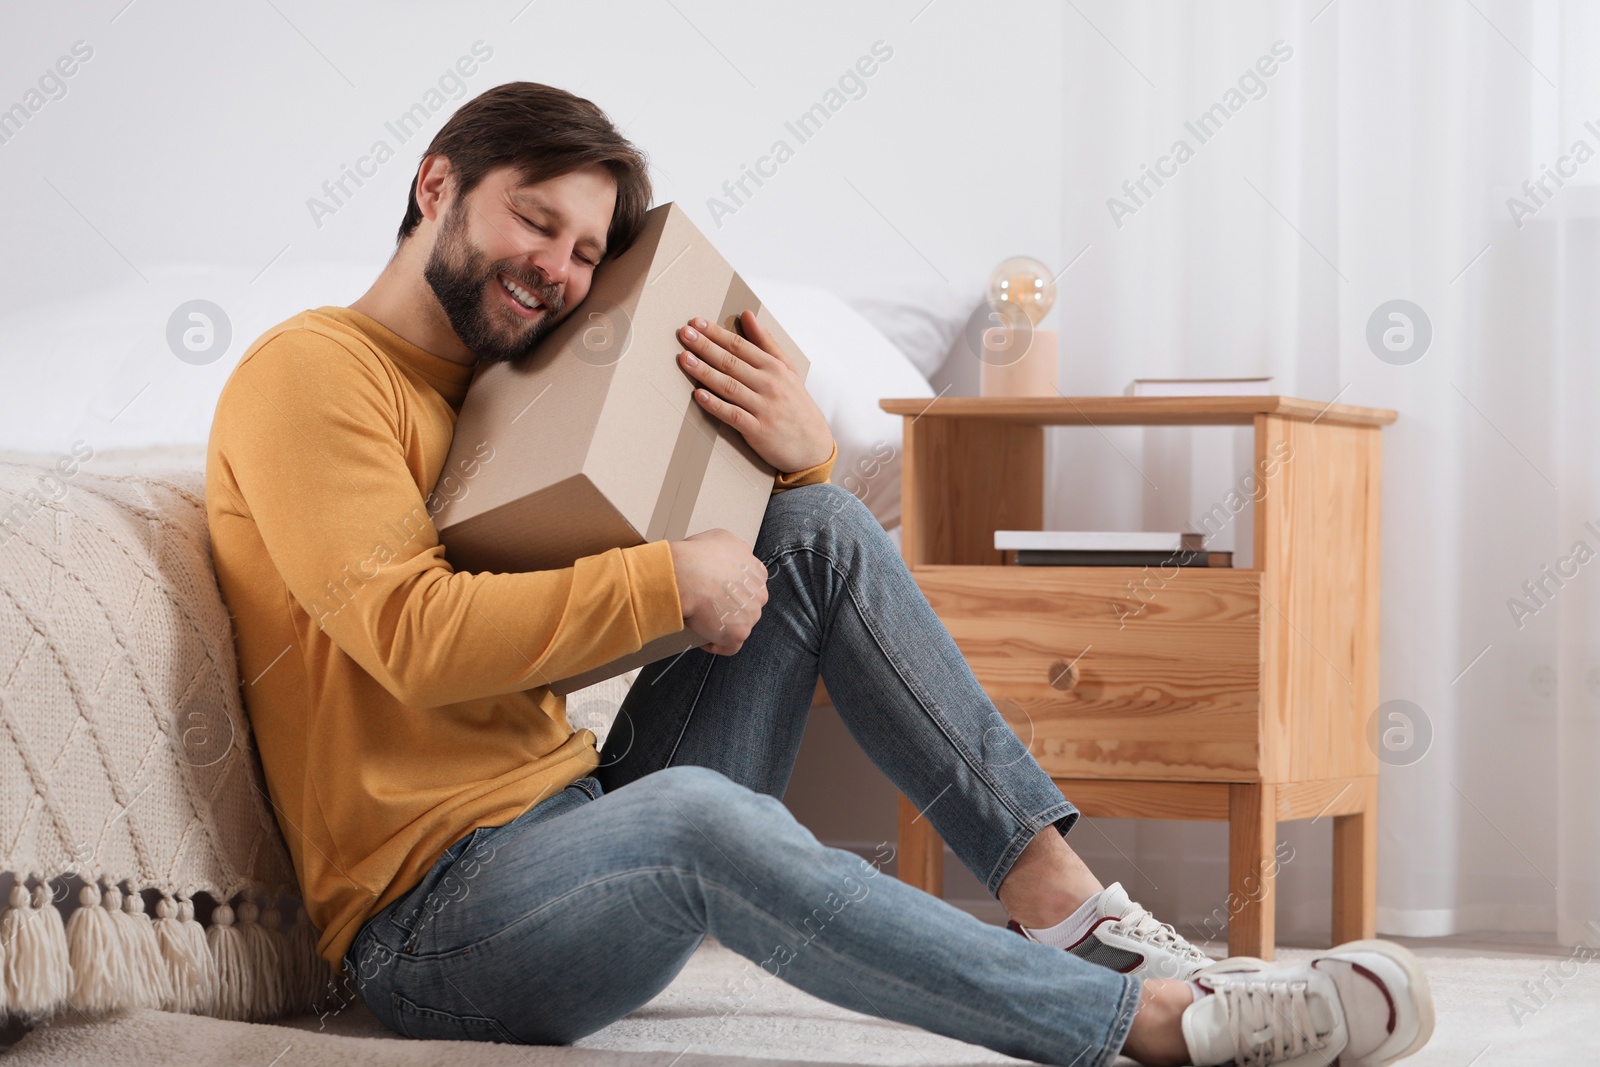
{"type": "Point", "coordinates": [1200, 387]}
{"type": "Point", "coordinates": [1106, 548]}
{"type": "Point", "coordinates": [1045, 558]}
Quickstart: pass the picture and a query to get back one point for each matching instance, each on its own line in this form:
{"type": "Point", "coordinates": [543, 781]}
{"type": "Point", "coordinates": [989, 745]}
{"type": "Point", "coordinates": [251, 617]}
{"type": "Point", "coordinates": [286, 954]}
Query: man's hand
{"type": "Point", "coordinates": [721, 587]}
{"type": "Point", "coordinates": [755, 388]}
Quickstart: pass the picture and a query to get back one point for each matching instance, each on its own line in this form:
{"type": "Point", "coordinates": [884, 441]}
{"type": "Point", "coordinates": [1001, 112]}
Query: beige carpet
{"type": "Point", "coordinates": [1476, 1027]}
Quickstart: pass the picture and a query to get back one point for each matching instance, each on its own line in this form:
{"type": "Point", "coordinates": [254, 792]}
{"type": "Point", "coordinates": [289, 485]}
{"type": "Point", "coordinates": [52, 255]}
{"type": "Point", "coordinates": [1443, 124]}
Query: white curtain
{"type": "Point", "coordinates": [1377, 162]}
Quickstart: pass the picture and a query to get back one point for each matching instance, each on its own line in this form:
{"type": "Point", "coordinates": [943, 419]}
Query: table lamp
{"type": "Point", "coordinates": [1016, 358]}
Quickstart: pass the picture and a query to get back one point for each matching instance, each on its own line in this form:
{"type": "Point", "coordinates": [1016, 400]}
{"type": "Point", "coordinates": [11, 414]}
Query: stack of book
{"type": "Point", "coordinates": [1106, 548]}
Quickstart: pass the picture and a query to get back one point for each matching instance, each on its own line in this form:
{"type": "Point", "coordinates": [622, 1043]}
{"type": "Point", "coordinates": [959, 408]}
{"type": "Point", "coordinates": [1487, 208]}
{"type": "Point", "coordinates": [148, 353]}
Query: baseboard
{"type": "Point", "coordinates": [1304, 906]}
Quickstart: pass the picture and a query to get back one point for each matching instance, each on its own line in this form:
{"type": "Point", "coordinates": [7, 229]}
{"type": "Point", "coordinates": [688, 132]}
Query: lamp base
{"type": "Point", "coordinates": [1034, 373]}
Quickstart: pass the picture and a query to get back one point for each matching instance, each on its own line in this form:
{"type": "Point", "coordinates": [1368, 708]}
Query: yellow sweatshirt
{"type": "Point", "coordinates": [396, 703]}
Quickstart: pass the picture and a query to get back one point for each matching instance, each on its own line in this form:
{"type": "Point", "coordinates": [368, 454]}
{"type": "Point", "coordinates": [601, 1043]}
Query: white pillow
{"type": "Point", "coordinates": [853, 366]}
{"type": "Point", "coordinates": [926, 320]}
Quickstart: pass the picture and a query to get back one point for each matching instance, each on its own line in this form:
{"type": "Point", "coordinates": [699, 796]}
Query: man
{"type": "Point", "coordinates": [477, 867]}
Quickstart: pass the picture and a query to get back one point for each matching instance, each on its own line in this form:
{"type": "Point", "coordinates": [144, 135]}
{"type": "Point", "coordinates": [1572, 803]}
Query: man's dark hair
{"type": "Point", "coordinates": [544, 133]}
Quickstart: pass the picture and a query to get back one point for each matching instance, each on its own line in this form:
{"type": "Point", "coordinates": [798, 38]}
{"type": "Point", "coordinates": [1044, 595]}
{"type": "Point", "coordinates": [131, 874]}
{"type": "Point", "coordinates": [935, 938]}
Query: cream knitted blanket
{"type": "Point", "coordinates": [127, 774]}
{"type": "Point", "coordinates": [140, 861]}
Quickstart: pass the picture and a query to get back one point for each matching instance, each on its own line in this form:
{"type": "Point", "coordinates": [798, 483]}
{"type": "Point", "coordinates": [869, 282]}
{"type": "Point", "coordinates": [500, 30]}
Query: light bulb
{"type": "Point", "coordinates": [1023, 284]}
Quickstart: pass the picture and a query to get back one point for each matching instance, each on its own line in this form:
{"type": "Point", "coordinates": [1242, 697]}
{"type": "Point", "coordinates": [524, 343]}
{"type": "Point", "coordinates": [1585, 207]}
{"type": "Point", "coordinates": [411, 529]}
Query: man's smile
{"type": "Point", "coordinates": [521, 299]}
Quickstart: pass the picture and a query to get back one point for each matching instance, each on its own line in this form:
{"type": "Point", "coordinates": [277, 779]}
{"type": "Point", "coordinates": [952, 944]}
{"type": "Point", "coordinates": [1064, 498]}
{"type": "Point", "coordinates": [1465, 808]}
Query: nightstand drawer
{"type": "Point", "coordinates": [1112, 671]}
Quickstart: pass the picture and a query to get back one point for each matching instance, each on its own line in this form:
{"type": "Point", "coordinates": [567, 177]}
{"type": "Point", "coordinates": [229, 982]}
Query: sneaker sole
{"type": "Point", "coordinates": [1233, 963]}
{"type": "Point", "coordinates": [1407, 962]}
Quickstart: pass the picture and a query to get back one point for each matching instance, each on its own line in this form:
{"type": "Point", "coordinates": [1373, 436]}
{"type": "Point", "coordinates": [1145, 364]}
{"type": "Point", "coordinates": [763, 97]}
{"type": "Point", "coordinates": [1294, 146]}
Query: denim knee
{"type": "Point", "coordinates": [700, 804]}
{"type": "Point", "coordinates": [822, 508]}
{"type": "Point", "coordinates": [701, 791]}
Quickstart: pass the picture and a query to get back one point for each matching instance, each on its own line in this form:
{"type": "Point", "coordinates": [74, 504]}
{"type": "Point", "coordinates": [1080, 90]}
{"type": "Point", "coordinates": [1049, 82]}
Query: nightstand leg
{"type": "Point", "coordinates": [1252, 869]}
{"type": "Point", "coordinates": [1355, 870]}
{"type": "Point", "coordinates": [920, 859]}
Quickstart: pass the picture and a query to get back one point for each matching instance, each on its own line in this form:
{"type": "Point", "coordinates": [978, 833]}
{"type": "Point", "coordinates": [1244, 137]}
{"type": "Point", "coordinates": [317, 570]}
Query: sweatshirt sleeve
{"type": "Point", "coordinates": [820, 473]}
{"type": "Point", "coordinates": [311, 451]}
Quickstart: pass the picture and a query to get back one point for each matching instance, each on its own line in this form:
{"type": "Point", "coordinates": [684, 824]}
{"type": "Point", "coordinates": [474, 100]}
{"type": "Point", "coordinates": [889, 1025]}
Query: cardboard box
{"type": "Point", "coordinates": [598, 441]}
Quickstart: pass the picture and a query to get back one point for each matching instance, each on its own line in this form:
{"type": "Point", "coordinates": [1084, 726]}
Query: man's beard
{"type": "Point", "coordinates": [460, 278]}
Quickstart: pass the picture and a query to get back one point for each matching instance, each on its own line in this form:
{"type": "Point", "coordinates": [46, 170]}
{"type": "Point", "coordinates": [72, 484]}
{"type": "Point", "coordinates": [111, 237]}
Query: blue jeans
{"type": "Point", "coordinates": [586, 906]}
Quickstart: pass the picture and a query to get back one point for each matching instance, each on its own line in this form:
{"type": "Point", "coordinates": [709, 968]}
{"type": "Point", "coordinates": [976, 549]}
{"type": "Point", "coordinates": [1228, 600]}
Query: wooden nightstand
{"type": "Point", "coordinates": [1195, 693]}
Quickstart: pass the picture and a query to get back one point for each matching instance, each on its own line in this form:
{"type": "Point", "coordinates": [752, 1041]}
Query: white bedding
{"type": "Point", "coordinates": [100, 369]}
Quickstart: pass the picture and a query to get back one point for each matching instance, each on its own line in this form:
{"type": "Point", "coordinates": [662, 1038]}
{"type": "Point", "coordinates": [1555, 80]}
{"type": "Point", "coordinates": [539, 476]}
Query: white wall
{"type": "Point", "coordinates": [179, 162]}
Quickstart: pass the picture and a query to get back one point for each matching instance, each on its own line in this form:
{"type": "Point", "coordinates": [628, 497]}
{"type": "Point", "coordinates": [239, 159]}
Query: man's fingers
{"type": "Point", "coordinates": [763, 337]}
{"type": "Point", "coordinates": [749, 349]}
{"type": "Point", "coordinates": [715, 356]}
{"type": "Point", "coordinates": [724, 614]}
{"type": "Point", "coordinates": [721, 382]}
{"type": "Point", "coordinates": [732, 414]}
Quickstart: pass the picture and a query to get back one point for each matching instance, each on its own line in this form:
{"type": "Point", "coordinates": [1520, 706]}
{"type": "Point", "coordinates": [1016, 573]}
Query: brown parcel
{"type": "Point", "coordinates": [598, 439]}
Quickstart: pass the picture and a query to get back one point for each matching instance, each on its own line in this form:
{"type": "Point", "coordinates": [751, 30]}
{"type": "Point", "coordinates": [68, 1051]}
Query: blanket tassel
{"type": "Point", "coordinates": [37, 972]}
{"type": "Point", "coordinates": [151, 987]}
{"type": "Point", "coordinates": [236, 976]}
{"type": "Point", "coordinates": [101, 976]}
{"type": "Point", "coordinates": [191, 975]}
{"type": "Point", "coordinates": [260, 931]}
{"type": "Point", "coordinates": [309, 976]}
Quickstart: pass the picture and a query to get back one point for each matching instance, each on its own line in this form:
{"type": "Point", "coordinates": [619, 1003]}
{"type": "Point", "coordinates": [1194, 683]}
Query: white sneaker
{"type": "Point", "coordinates": [1361, 1004]}
{"type": "Point", "coordinates": [1126, 938]}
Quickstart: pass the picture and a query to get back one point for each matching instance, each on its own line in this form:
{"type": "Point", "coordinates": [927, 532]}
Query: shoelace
{"type": "Point", "coordinates": [1140, 925]}
{"type": "Point", "coordinates": [1268, 1021]}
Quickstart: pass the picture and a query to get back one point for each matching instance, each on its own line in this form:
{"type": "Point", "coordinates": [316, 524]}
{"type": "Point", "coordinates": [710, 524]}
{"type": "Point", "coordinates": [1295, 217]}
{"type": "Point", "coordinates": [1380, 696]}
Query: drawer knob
{"type": "Point", "coordinates": [1063, 675]}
